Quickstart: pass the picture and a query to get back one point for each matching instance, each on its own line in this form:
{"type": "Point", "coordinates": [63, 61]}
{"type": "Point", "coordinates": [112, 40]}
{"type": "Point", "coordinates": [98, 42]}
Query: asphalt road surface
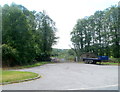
{"type": "Point", "coordinates": [70, 76]}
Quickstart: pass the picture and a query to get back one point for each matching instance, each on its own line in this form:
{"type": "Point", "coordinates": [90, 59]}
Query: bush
{"type": "Point", "coordinates": [9, 55]}
{"type": "Point", "coordinates": [115, 60]}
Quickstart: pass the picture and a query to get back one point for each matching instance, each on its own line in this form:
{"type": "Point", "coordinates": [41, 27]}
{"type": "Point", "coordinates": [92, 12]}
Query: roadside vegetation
{"type": "Point", "coordinates": [69, 55]}
{"type": "Point", "coordinates": [98, 34]}
{"type": "Point", "coordinates": [66, 54]}
{"type": "Point", "coordinates": [27, 66]}
{"type": "Point", "coordinates": [109, 63]}
{"type": "Point", "coordinates": [27, 36]}
{"type": "Point", "coordinates": [16, 76]}
{"type": "Point", "coordinates": [112, 61]}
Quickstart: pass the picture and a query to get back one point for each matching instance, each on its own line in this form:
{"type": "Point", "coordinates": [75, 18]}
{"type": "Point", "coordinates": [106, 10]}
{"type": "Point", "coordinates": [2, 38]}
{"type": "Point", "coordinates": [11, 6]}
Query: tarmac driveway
{"type": "Point", "coordinates": [70, 76]}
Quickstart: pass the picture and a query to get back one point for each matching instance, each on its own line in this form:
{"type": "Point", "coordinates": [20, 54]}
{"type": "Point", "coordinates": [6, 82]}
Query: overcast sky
{"type": "Point", "coordinates": [65, 13]}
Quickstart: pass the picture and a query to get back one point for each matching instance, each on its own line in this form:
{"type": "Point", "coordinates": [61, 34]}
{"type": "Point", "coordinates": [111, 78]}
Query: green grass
{"type": "Point", "coordinates": [105, 63]}
{"type": "Point", "coordinates": [33, 65]}
{"type": "Point", "coordinates": [27, 66]}
{"type": "Point", "coordinates": [109, 63]}
{"type": "Point", "coordinates": [10, 76]}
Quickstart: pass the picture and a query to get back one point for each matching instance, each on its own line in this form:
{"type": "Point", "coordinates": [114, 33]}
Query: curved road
{"type": "Point", "coordinates": [70, 76]}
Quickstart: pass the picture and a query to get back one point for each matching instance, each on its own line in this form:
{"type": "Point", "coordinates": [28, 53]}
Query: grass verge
{"type": "Point", "coordinates": [109, 63]}
{"type": "Point", "coordinates": [13, 76]}
{"type": "Point", "coordinates": [105, 63]}
{"type": "Point", "coordinates": [27, 66]}
{"type": "Point", "coordinates": [33, 65]}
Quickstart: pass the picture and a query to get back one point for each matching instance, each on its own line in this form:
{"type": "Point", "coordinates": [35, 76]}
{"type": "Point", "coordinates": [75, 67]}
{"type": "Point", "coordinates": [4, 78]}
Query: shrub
{"type": "Point", "coordinates": [9, 55]}
{"type": "Point", "coordinates": [115, 60]}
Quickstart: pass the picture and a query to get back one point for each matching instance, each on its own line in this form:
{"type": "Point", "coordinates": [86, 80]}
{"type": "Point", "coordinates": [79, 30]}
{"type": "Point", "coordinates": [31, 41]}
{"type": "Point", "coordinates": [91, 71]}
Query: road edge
{"type": "Point", "coordinates": [30, 79]}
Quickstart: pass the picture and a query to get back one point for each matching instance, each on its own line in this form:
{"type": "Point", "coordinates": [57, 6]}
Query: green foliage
{"type": "Point", "coordinates": [71, 52]}
{"type": "Point", "coordinates": [46, 31]}
{"type": "Point", "coordinates": [115, 60]}
{"type": "Point", "coordinates": [28, 66]}
{"type": "Point", "coordinates": [66, 54]}
{"type": "Point", "coordinates": [98, 33]}
{"type": "Point", "coordinates": [9, 54]}
{"type": "Point", "coordinates": [27, 35]}
{"type": "Point", "coordinates": [59, 53]}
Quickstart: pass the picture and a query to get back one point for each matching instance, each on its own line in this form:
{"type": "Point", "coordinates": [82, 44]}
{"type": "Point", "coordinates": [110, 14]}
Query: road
{"type": "Point", "coordinates": [70, 76]}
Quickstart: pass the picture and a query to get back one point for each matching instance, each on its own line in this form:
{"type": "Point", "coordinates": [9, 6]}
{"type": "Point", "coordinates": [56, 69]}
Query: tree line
{"type": "Point", "coordinates": [98, 33]}
{"type": "Point", "coordinates": [27, 36]}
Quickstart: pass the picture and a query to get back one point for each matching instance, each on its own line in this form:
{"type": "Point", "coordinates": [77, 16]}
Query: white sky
{"type": "Point", "coordinates": [65, 13]}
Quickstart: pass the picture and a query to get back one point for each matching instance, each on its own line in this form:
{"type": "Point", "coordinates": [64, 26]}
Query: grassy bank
{"type": "Point", "coordinates": [33, 65]}
{"type": "Point", "coordinates": [27, 66]}
{"type": "Point", "coordinates": [10, 76]}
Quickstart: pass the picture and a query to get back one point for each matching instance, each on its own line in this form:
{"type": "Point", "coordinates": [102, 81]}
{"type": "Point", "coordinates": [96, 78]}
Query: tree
{"type": "Point", "coordinates": [16, 33]}
{"type": "Point", "coordinates": [98, 33]}
{"type": "Point", "coordinates": [46, 30]}
{"type": "Point", "coordinates": [27, 35]}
